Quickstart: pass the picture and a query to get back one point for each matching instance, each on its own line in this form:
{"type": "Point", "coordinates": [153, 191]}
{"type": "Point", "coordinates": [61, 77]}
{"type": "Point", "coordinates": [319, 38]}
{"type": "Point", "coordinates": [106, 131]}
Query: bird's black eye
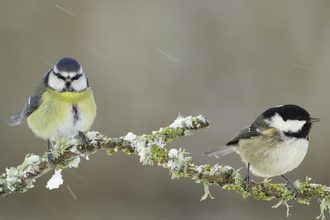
{"type": "Point", "coordinates": [58, 75]}
{"type": "Point", "coordinates": [302, 118]}
{"type": "Point", "coordinates": [76, 77]}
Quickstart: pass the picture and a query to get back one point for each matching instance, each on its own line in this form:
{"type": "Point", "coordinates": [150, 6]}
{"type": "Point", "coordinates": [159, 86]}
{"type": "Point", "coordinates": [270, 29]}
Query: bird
{"type": "Point", "coordinates": [274, 144]}
{"type": "Point", "coordinates": [62, 105]}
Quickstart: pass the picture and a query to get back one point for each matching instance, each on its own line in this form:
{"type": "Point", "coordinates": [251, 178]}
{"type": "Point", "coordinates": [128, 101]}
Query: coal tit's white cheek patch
{"type": "Point", "coordinates": [292, 126]}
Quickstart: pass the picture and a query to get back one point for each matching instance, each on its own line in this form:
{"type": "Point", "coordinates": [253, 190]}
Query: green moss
{"type": "Point", "coordinates": [286, 194]}
{"type": "Point", "coordinates": [158, 153]}
{"type": "Point", "coordinates": [259, 194]}
{"type": "Point", "coordinates": [237, 188]}
{"type": "Point", "coordinates": [320, 191]}
{"type": "Point", "coordinates": [65, 163]}
{"type": "Point", "coordinates": [170, 134]}
{"type": "Point", "coordinates": [208, 167]}
{"type": "Point", "coordinates": [110, 151]}
{"type": "Point", "coordinates": [188, 132]}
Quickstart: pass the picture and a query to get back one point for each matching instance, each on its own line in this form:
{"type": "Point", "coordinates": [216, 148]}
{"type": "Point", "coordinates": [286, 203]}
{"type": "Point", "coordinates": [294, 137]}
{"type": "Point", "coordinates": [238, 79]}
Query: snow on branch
{"type": "Point", "coordinates": [151, 149]}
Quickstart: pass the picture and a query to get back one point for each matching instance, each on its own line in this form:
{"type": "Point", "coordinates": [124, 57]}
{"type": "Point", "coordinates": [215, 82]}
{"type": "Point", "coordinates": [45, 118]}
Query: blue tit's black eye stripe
{"type": "Point", "coordinates": [58, 75]}
{"type": "Point", "coordinates": [76, 77]}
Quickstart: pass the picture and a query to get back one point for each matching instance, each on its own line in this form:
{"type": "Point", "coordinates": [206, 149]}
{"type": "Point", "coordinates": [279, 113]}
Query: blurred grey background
{"type": "Point", "coordinates": [148, 61]}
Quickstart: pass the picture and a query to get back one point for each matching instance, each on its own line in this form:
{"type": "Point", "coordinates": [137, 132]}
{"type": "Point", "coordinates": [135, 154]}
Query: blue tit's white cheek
{"type": "Point", "coordinates": [55, 83]}
{"type": "Point", "coordinates": [291, 126]}
{"type": "Point", "coordinates": [79, 84]}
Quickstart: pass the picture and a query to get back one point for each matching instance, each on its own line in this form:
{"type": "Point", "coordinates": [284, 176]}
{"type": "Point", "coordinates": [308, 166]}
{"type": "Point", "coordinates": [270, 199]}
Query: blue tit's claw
{"type": "Point", "coordinates": [83, 140]}
{"type": "Point", "coordinates": [49, 154]}
{"type": "Point", "coordinates": [50, 159]}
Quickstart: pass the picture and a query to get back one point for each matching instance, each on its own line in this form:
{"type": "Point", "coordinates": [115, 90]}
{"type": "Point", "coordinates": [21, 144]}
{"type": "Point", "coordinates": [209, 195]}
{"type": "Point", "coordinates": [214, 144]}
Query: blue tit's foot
{"type": "Point", "coordinates": [83, 140]}
{"type": "Point", "coordinates": [50, 159]}
{"type": "Point", "coordinates": [291, 186]}
{"type": "Point", "coordinates": [247, 177]}
{"type": "Point", "coordinates": [50, 155]}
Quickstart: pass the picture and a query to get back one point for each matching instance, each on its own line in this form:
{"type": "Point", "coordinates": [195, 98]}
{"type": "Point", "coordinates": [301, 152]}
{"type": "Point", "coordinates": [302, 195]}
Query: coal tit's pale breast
{"type": "Point", "coordinates": [268, 157]}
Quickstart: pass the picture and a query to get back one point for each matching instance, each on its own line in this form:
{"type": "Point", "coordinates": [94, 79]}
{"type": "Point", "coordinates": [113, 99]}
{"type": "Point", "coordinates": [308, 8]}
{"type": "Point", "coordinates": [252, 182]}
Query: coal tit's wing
{"type": "Point", "coordinates": [246, 133]}
{"type": "Point", "coordinates": [219, 152]}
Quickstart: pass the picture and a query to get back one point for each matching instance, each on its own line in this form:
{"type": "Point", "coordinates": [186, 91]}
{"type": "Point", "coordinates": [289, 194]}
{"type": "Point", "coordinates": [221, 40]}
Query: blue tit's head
{"type": "Point", "coordinates": [67, 76]}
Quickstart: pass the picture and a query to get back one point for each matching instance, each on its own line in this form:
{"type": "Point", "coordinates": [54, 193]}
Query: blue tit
{"type": "Point", "coordinates": [62, 105]}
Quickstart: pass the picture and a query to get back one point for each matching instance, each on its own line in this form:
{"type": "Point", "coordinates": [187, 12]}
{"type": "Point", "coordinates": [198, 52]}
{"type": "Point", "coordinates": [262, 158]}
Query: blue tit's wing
{"type": "Point", "coordinates": [246, 133]}
{"type": "Point", "coordinates": [31, 106]}
{"type": "Point", "coordinates": [20, 117]}
{"type": "Point", "coordinates": [15, 119]}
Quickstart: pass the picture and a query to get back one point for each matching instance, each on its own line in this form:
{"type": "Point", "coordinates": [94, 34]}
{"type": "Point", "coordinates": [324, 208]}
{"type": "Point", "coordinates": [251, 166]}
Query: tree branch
{"type": "Point", "coordinates": [150, 148]}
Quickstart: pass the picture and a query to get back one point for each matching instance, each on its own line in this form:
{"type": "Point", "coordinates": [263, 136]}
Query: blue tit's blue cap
{"type": "Point", "coordinates": [68, 64]}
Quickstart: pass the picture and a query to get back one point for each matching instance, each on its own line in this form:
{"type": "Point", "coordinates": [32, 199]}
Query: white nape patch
{"type": "Point", "coordinates": [292, 126]}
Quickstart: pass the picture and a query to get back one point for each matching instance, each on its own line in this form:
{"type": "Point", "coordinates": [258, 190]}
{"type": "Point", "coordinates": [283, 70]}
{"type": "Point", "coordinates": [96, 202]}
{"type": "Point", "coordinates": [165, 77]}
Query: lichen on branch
{"type": "Point", "coordinates": [151, 149]}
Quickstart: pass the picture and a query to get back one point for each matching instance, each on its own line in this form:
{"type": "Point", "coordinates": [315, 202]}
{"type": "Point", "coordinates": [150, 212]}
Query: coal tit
{"type": "Point", "coordinates": [274, 144]}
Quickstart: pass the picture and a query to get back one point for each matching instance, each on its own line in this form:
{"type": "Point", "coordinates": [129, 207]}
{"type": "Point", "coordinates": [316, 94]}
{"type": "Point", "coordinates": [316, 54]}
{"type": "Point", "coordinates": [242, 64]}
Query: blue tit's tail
{"type": "Point", "coordinates": [16, 119]}
{"type": "Point", "coordinates": [220, 151]}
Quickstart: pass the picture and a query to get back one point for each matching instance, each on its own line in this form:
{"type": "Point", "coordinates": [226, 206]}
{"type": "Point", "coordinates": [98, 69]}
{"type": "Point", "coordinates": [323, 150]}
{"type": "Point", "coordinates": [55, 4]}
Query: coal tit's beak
{"type": "Point", "coordinates": [312, 120]}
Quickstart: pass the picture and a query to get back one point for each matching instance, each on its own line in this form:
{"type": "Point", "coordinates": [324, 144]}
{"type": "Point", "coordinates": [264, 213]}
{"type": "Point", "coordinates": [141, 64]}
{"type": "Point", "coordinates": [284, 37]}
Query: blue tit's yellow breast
{"type": "Point", "coordinates": [63, 114]}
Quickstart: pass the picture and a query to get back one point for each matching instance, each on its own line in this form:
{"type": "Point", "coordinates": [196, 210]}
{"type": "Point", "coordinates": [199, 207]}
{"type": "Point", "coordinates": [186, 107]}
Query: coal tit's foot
{"type": "Point", "coordinates": [247, 177]}
{"type": "Point", "coordinates": [291, 186]}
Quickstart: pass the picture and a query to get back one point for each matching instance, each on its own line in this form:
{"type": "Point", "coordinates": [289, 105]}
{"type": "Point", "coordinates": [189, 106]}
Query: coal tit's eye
{"type": "Point", "coordinates": [301, 118]}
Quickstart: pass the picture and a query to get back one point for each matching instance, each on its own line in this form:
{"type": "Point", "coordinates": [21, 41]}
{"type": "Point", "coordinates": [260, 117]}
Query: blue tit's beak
{"type": "Point", "coordinates": [312, 120]}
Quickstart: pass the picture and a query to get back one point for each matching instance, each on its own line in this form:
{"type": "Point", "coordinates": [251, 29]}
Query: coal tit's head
{"type": "Point", "coordinates": [291, 120]}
